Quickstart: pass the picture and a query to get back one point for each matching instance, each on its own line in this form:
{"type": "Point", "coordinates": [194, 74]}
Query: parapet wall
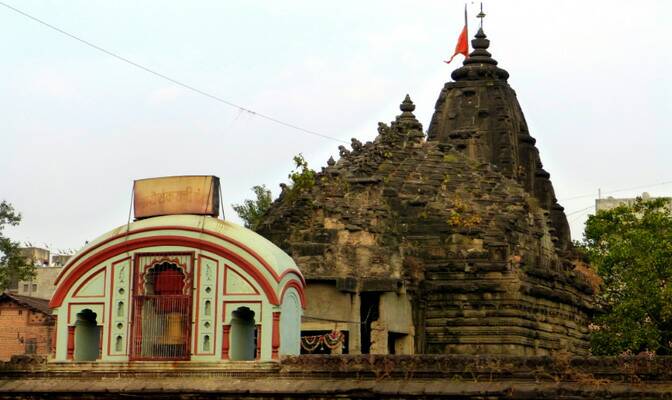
{"type": "Point", "coordinates": [350, 377]}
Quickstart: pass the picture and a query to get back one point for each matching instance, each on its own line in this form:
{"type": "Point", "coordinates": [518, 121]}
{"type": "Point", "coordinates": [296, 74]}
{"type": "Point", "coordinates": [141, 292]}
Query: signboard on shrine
{"type": "Point", "coordinates": [176, 195]}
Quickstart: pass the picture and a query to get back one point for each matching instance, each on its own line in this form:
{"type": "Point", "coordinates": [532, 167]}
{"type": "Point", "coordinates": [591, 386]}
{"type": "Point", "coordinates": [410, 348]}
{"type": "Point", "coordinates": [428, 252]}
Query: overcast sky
{"type": "Point", "coordinates": [78, 126]}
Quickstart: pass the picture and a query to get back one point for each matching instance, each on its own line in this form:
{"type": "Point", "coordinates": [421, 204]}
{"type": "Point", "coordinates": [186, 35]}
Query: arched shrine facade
{"type": "Point", "coordinates": [178, 287]}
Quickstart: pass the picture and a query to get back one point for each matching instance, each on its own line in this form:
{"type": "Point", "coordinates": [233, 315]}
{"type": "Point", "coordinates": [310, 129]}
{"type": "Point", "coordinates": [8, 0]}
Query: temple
{"type": "Point", "coordinates": [448, 243]}
{"type": "Point", "coordinates": [178, 284]}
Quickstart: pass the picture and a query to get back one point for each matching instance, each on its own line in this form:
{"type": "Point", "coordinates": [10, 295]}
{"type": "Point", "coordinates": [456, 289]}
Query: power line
{"type": "Point", "coordinates": [579, 215]}
{"type": "Point", "coordinates": [618, 190]}
{"type": "Point", "coordinates": [582, 211]}
{"type": "Point", "coordinates": [578, 211]}
{"type": "Point", "coordinates": [332, 320]}
{"type": "Point", "coordinates": [169, 79]}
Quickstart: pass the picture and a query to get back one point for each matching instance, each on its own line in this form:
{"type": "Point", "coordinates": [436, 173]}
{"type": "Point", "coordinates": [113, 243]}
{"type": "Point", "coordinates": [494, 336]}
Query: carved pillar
{"type": "Point", "coordinates": [225, 341]}
{"type": "Point", "coordinates": [258, 341]}
{"type": "Point", "coordinates": [100, 342]}
{"type": "Point", "coordinates": [275, 342]}
{"type": "Point", "coordinates": [71, 343]}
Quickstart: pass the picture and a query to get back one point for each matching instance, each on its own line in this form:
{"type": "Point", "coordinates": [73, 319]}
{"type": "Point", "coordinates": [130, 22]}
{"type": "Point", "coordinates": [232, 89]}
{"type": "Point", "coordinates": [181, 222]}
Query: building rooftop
{"type": "Point", "coordinates": [34, 303]}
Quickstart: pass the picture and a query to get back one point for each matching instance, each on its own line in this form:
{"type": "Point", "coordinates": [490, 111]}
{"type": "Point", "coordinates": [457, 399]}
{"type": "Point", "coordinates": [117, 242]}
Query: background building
{"type": "Point", "coordinates": [37, 255]}
{"type": "Point", "coordinates": [611, 202]}
{"type": "Point", "coordinates": [26, 326]}
{"type": "Point", "coordinates": [47, 268]}
{"type": "Point", "coordinates": [42, 285]}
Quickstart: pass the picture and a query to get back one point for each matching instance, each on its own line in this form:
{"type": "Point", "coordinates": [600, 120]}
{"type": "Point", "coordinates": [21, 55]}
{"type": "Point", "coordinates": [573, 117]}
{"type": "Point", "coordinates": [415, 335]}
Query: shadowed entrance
{"type": "Point", "coordinates": [162, 317]}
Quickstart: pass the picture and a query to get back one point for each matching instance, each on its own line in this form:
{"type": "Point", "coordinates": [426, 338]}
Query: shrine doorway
{"type": "Point", "coordinates": [243, 335]}
{"type": "Point", "coordinates": [87, 336]}
{"type": "Point", "coordinates": [162, 318]}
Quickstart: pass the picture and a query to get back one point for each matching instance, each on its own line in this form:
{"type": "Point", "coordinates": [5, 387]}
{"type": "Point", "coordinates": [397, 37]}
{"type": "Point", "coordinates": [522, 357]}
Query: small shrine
{"type": "Point", "coordinates": [178, 283]}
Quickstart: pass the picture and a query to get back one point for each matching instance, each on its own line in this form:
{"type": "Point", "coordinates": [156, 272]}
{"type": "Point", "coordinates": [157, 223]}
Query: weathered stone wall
{"type": "Point", "coordinates": [350, 377]}
{"type": "Point", "coordinates": [332, 309]}
{"type": "Point", "coordinates": [465, 224]}
{"type": "Point", "coordinates": [472, 249]}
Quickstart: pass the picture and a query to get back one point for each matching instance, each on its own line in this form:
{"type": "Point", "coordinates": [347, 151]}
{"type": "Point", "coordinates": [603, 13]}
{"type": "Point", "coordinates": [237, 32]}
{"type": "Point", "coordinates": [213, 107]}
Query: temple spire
{"type": "Point", "coordinates": [407, 105]}
{"type": "Point", "coordinates": [480, 64]}
{"type": "Point", "coordinates": [481, 15]}
{"type": "Point", "coordinates": [407, 119]}
{"type": "Point", "coordinates": [480, 54]}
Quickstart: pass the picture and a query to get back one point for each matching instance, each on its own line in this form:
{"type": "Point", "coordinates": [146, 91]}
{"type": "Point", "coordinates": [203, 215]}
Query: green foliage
{"type": "Point", "coordinates": [450, 158]}
{"type": "Point", "coordinates": [13, 265]}
{"type": "Point", "coordinates": [631, 248]}
{"type": "Point", "coordinates": [302, 177]}
{"type": "Point", "coordinates": [251, 211]}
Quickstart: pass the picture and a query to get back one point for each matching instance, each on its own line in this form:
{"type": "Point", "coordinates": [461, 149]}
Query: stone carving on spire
{"type": "Point", "coordinates": [480, 64]}
{"type": "Point", "coordinates": [406, 122]}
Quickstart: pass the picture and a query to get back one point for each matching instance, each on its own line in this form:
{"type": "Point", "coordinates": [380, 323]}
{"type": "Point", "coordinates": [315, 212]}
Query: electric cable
{"type": "Point", "coordinates": [618, 190]}
{"type": "Point", "coordinates": [172, 80]}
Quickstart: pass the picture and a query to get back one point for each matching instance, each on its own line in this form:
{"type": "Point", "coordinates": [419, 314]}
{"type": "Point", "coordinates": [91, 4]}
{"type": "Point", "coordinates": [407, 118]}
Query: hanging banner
{"type": "Point", "coordinates": [176, 195]}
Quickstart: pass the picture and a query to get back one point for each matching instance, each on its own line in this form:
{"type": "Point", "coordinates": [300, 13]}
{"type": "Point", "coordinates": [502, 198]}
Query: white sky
{"type": "Point", "coordinates": [77, 126]}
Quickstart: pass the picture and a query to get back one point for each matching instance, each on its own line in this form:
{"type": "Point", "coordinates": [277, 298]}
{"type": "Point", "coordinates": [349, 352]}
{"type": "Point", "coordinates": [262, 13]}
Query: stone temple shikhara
{"type": "Point", "coordinates": [178, 284]}
{"type": "Point", "coordinates": [450, 243]}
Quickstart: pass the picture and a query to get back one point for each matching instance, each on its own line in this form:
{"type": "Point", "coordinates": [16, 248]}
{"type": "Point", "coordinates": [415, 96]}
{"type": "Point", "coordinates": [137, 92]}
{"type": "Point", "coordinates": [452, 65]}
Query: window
{"type": "Point", "coordinates": [31, 346]}
{"type": "Point", "coordinates": [25, 288]}
{"type": "Point", "coordinates": [34, 289]}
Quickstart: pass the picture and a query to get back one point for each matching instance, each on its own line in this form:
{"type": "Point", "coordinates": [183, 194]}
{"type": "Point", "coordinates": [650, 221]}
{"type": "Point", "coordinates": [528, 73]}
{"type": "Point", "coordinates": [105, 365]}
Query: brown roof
{"type": "Point", "coordinates": [40, 305]}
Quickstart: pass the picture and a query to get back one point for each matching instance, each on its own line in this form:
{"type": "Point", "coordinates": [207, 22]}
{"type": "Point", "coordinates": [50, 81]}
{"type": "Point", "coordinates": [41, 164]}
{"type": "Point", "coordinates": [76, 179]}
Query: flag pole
{"type": "Point", "coordinates": [466, 25]}
{"type": "Point", "coordinates": [462, 46]}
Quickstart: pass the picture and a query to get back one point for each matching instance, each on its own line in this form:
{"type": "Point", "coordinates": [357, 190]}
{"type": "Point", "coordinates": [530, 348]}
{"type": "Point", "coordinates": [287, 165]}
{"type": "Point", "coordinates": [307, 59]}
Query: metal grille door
{"type": "Point", "coordinates": [162, 327]}
{"type": "Point", "coordinates": [162, 315]}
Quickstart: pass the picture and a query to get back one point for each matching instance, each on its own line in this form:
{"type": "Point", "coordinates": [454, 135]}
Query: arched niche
{"type": "Point", "coordinates": [243, 341]}
{"type": "Point", "coordinates": [87, 336]}
{"type": "Point", "coordinates": [163, 323]}
{"type": "Point", "coordinates": [165, 279]}
{"type": "Point", "coordinates": [290, 321]}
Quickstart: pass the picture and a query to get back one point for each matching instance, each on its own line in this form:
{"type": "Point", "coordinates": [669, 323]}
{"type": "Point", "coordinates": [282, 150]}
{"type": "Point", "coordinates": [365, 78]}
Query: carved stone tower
{"type": "Point", "coordinates": [461, 233]}
{"type": "Point", "coordinates": [479, 115]}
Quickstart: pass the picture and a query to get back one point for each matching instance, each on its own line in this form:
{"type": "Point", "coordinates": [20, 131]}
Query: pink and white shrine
{"type": "Point", "coordinates": [178, 283]}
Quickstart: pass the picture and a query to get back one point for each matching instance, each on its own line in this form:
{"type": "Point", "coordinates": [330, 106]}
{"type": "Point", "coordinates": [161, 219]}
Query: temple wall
{"type": "Point", "coordinates": [349, 377]}
{"type": "Point", "coordinates": [331, 309]}
{"type": "Point", "coordinates": [290, 321]}
{"type": "Point", "coordinates": [218, 288]}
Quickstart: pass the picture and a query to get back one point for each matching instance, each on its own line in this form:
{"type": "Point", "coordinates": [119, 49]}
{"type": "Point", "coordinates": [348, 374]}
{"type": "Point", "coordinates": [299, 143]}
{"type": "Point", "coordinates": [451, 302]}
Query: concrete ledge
{"type": "Point", "coordinates": [348, 376]}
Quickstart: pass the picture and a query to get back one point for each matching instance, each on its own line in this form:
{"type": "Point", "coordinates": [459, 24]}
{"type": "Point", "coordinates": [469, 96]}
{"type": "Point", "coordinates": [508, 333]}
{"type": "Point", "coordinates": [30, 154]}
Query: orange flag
{"type": "Point", "coordinates": [462, 46]}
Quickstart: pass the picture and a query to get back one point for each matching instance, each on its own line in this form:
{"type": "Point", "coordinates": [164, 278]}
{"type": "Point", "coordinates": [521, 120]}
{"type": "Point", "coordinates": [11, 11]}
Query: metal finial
{"type": "Point", "coordinates": [481, 15]}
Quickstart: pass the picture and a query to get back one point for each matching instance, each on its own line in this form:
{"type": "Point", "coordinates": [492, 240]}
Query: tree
{"type": "Point", "coordinates": [631, 248]}
{"type": "Point", "coordinates": [251, 211]}
{"type": "Point", "coordinates": [302, 177]}
{"type": "Point", "coordinates": [13, 265]}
